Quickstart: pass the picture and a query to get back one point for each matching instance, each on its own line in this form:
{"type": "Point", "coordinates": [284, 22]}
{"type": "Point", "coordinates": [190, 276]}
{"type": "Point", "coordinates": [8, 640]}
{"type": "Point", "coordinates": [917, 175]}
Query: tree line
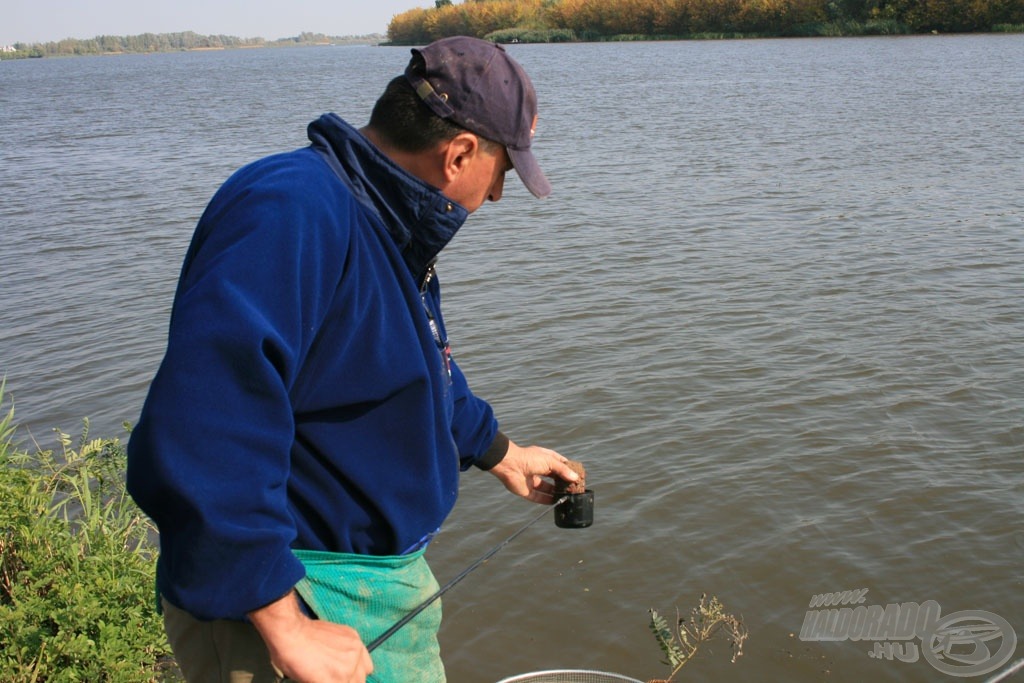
{"type": "Point", "coordinates": [567, 20]}
{"type": "Point", "coordinates": [168, 42]}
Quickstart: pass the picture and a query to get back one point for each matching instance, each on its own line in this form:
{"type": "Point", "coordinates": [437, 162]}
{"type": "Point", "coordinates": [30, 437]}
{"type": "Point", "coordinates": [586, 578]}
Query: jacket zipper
{"type": "Point", "coordinates": [435, 330]}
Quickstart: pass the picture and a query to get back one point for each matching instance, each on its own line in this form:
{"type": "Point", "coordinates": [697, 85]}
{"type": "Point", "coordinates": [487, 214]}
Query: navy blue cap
{"type": "Point", "coordinates": [477, 85]}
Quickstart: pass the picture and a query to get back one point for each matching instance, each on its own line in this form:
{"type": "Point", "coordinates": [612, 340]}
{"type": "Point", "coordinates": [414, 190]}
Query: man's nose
{"type": "Point", "coordinates": [497, 189]}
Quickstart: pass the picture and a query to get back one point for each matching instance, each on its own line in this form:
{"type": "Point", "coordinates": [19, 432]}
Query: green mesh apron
{"type": "Point", "coordinates": [370, 593]}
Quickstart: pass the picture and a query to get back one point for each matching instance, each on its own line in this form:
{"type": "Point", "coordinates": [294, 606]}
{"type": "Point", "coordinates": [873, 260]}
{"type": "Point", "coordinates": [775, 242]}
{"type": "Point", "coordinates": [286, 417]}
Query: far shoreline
{"type": "Point", "coordinates": [188, 41]}
{"type": "Point", "coordinates": [86, 47]}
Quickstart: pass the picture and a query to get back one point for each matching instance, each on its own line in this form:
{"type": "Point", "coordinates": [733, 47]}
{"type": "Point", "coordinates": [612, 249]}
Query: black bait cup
{"type": "Point", "coordinates": [576, 511]}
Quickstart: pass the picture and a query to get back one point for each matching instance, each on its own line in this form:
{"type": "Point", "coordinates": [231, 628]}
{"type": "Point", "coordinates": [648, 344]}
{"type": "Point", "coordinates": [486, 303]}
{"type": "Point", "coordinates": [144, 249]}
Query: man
{"type": "Point", "coordinates": [303, 437]}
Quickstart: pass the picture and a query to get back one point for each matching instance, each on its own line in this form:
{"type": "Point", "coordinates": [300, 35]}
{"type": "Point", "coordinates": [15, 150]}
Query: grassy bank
{"type": "Point", "coordinates": [831, 29]}
{"type": "Point", "coordinates": [76, 565]}
{"type": "Point", "coordinates": [821, 29]}
{"type": "Point", "coordinates": [532, 21]}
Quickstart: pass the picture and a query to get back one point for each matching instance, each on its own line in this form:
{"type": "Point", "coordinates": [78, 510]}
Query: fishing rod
{"type": "Point", "coordinates": [465, 572]}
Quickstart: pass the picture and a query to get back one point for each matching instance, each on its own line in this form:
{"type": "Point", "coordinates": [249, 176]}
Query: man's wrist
{"type": "Point", "coordinates": [278, 615]}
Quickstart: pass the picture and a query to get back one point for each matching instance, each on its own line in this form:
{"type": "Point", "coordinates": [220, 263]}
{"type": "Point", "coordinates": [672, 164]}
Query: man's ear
{"type": "Point", "coordinates": [458, 154]}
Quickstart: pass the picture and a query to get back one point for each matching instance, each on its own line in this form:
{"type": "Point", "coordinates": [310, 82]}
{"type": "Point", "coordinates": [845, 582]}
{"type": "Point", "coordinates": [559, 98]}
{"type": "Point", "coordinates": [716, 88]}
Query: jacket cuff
{"type": "Point", "coordinates": [495, 452]}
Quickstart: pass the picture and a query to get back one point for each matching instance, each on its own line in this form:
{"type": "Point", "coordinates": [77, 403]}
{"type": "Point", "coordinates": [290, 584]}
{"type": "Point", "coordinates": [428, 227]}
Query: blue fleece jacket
{"type": "Point", "coordinates": [306, 398]}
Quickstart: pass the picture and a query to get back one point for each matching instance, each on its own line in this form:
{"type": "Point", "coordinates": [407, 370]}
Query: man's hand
{"type": "Point", "coordinates": [526, 472]}
{"type": "Point", "coordinates": [309, 650]}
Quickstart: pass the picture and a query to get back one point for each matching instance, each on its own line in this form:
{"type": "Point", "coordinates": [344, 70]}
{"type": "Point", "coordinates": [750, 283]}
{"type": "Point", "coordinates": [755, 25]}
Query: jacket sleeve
{"type": "Point", "coordinates": [474, 427]}
{"type": "Point", "coordinates": [209, 458]}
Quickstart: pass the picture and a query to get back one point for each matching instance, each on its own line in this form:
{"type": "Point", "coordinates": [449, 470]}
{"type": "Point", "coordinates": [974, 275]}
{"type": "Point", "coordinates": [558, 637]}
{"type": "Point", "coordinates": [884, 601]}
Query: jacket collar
{"type": "Point", "coordinates": [418, 217]}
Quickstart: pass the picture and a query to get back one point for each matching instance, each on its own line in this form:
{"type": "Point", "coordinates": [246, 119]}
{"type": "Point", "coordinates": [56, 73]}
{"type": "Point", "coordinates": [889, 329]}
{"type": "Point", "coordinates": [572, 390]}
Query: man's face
{"type": "Point", "coordinates": [483, 178]}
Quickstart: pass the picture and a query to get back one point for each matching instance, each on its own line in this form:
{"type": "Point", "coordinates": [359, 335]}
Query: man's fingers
{"type": "Point", "coordinates": [564, 471]}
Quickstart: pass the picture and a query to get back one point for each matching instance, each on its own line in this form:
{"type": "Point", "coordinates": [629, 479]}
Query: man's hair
{"type": "Point", "coordinates": [405, 121]}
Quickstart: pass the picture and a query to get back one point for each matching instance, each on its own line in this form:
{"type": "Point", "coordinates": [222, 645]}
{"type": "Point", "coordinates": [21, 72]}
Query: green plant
{"type": "Point", "coordinates": [76, 566]}
{"type": "Point", "coordinates": [527, 35]}
{"type": "Point", "coordinates": [680, 644]}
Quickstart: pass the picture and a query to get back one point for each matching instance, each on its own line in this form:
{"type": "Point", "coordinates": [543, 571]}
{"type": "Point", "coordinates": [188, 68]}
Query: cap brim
{"type": "Point", "coordinates": [529, 172]}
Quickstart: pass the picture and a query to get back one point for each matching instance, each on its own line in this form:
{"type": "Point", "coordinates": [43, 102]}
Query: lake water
{"type": "Point", "coordinates": [775, 304]}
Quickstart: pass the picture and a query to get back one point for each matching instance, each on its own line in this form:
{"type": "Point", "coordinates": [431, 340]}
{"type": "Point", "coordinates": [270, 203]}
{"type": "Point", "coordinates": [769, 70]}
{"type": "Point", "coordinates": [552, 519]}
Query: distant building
{"type": "Point", "coordinates": [7, 48]}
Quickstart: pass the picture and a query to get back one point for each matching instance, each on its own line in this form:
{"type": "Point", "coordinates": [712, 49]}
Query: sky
{"type": "Point", "coordinates": [43, 21]}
